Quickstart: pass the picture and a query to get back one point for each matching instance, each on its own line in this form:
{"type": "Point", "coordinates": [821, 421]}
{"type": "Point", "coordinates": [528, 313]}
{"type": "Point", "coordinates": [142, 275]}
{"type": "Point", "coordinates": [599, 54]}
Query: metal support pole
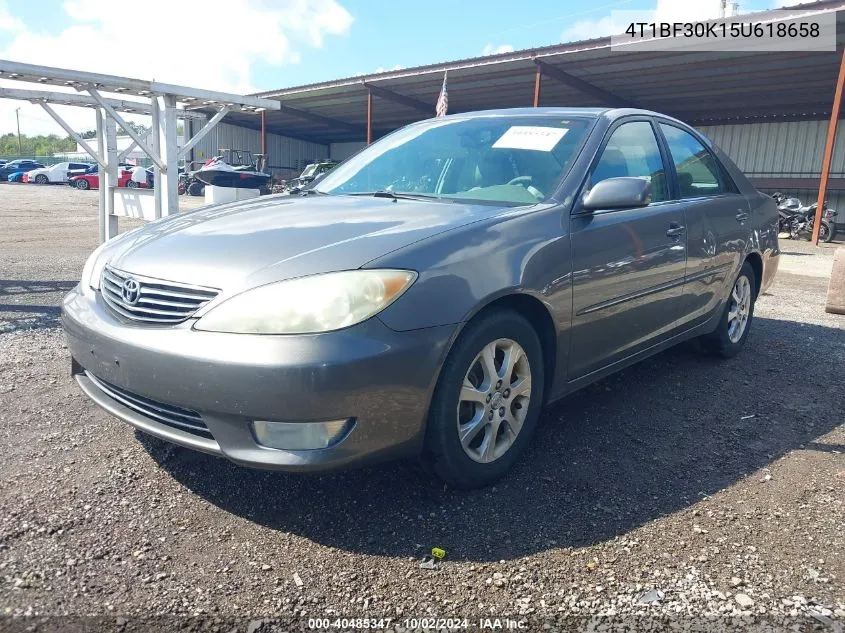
{"type": "Point", "coordinates": [828, 149]}
{"type": "Point", "coordinates": [538, 76]}
{"type": "Point", "coordinates": [201, 133]}
{"type": "Point", "coordinates": [155, 132]}
{"type": "Point", "coordinates": [369, 116]}
{"type": "Point", "coordinates": [18, 118]}
{"type": "Point", "coordinates": [97, 157]}
{"type": "Point", "coordinates": [263, 134]}
{"type": "Point", "coordinates": [108, 179]}
{"type": "Point", "coordinates": [126, 128]}
{"type": "Point", "coordinates": [169, 184]}
{"type": "Point", "coordinates": [101, 150]}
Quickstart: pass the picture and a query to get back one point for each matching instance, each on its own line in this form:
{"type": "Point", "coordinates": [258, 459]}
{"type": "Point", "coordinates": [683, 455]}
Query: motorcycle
{"type": "Point", "coordinates": [188, 182]}
{"type": "Point", "coordinates": [797, 220]}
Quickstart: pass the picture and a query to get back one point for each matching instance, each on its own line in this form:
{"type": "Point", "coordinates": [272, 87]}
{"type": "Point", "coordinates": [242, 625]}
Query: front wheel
{"type": "Point", "coordinates": [487, 401]}
{"type": "Point", "coordinates": [131, 184]}
{"type": "Point", "coordinates": [82, 184]}
{"type": "Point", "coordinates": [41, 179]}
{"type": "Point", "coordinates": [730, 335]}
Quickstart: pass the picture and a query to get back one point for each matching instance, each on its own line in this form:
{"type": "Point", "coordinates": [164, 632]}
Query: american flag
{"type": "Point", "coordinates": [443, 100]}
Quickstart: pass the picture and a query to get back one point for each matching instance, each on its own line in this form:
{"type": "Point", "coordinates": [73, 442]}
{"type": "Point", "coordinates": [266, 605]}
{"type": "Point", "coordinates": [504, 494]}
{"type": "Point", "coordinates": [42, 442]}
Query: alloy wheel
{"type": "Point", "coordinates": [740, 309]}
{"type": "Point", "coordinates": [494, 400]}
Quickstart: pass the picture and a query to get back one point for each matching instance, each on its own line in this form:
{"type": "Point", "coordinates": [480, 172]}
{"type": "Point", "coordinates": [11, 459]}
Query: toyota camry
{"type": "Point", "coordinates": [427, 297]}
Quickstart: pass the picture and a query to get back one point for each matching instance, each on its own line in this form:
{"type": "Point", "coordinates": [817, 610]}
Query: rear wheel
{"type": "Point", "coordinates": [487, 401]}
{"type": "Point", "coordinates": [196, 189]}
{"type": "Point", "coordinates": [131, 184]}
{"type": "Point", "coordinates": [730, 335]}
{"type": "Point", "coordinates": [82, 184]}
{"type": "Point", "coordinates": [826, 231]}
{"type": "Point", "coordinates": [41, 179]}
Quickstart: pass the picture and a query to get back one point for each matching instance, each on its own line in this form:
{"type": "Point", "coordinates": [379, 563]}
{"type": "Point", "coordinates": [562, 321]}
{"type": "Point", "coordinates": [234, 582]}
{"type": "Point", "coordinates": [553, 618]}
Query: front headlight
{"type": "Point", "coordinates": [93, 269]}
{"type": "Point", "coordinates": [308, 305]}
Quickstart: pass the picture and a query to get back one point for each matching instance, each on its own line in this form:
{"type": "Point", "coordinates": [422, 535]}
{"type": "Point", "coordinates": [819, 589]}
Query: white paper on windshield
{"type": "Point", "coordinates": [534, 137]}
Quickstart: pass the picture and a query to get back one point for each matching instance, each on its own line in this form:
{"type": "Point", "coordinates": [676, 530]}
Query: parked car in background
{"type": "Point", "coordinates": [16, 176]}
{"type": "Point", "coordinates": [21, 166]}
{"type": "Point", "coordinates": [56, 173]}
{"type": "Point", "coordinates": [3, 161]}
{"type": "Point", "coordinates": [92, 180]}
{"type": "Point", "coordinates": [428, 296]}
{"type": "Point", "coordinates": [93, 169]}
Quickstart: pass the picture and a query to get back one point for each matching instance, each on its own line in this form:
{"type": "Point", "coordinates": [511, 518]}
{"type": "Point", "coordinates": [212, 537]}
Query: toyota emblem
{"type": "Point", "coordinates": [131, 291]}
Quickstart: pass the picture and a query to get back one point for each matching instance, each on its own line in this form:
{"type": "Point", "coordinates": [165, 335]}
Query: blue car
{"type": "Point", "coordinates": [16, 176]}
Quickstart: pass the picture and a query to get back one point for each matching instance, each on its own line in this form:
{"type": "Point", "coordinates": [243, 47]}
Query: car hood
{"type": "Point", "coordinates": [247, 244]}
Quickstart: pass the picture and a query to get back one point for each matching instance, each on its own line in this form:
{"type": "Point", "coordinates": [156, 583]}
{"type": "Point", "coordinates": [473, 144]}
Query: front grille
{"type": "Point", "coordinates": [173, 416]}
{"type": "Point", "coordinates": [152, 300]}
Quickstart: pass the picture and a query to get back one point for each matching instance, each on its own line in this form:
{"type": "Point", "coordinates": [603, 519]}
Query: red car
{"type": "Point", "coordinates": [92, 181]}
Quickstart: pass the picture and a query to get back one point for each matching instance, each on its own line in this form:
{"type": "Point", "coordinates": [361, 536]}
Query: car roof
{"type": "Point", "coordinates": [593, 113]}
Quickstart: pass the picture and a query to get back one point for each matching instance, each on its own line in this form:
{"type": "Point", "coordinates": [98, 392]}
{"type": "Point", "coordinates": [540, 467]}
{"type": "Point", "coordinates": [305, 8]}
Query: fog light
{"type": "Point", "coordinates": [300, 436]}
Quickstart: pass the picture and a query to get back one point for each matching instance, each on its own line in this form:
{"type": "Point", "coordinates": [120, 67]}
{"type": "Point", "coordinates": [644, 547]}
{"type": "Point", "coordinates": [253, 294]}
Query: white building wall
{"type": "Point", "coordinates": [342, 151]}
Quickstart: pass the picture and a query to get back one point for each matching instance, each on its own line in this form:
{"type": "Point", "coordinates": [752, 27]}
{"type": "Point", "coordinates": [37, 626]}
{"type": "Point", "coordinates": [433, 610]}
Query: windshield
{"type": "Point", "coordinates": [499, 159]}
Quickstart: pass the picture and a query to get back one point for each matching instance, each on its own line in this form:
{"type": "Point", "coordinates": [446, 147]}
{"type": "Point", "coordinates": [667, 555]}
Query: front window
{"type": "Point", "coordinates": [632, 151]}
{"type": "Point", "coordinates": [509, 160]}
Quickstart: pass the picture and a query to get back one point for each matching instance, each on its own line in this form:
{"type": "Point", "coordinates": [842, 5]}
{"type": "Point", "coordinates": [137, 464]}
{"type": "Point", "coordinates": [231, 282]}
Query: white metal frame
{"type": "Point", "coordinates": [160, 103]}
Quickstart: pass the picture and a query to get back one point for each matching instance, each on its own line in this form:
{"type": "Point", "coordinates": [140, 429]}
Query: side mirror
{"type": "Point", "coordinates": [618, 193]}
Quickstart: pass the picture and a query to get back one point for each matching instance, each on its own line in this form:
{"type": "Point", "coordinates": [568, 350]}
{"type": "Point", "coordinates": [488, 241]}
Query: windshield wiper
{"type": "Point", "coordinates": [312, 192]}
{"type": "Point", "coordinates": [382, 193]}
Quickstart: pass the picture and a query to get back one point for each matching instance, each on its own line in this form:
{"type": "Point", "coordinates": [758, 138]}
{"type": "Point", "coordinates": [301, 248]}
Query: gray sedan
{"type": "Point", "coordinates": [428, 296]}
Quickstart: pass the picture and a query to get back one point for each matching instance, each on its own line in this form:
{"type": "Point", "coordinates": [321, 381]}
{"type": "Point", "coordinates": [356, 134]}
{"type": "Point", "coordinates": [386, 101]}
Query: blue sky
{"type": "Point", "coordinates": [251, 45]}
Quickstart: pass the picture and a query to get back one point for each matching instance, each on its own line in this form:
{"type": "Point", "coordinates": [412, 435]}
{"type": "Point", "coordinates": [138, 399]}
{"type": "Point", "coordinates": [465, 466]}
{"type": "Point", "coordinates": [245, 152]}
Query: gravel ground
{"type": "Point", "coordinates": [683, 487]}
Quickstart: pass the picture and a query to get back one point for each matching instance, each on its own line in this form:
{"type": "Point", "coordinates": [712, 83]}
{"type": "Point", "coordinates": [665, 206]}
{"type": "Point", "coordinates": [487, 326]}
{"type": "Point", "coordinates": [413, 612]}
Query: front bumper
{"type": "Point", "coordinates": [381, 378]}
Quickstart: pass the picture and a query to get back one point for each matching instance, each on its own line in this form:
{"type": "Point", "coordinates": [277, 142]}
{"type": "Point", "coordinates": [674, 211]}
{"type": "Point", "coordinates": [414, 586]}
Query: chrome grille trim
{"type": "Point", "coordinates": [159, 302]}
{"type": "Point", "coordinates": [171, 415]}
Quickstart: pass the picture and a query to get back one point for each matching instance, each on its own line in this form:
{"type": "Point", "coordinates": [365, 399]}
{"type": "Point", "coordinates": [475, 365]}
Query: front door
{"type": "Point", "coordinates": [628, 265]}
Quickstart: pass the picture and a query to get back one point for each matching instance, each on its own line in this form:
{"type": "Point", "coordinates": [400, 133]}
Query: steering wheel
{"type": "Point", "coordinates": [519, 180]}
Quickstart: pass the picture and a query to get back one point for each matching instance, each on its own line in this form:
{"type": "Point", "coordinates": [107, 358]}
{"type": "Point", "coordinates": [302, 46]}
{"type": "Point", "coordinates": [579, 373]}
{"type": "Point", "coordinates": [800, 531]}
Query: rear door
{"type": "Point", "coordinates": [717, 220]}
{"type": "Point", "coordinates": [628, 265]}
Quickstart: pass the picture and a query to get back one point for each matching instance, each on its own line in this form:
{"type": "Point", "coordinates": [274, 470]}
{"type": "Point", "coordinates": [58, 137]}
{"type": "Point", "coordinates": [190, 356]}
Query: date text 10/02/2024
{"type": "Point", "coordinates": [723, 30]}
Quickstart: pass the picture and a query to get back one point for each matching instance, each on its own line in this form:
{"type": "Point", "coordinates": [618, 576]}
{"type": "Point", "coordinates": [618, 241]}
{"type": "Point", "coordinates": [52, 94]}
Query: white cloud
{"type": "Point", "coordinates": [382, 69]}
{"type": "Point", "coordinates": [8, 22]}
{"type": "Point", "coordinates": [202, 43]}
{"type": "Point", "coordinates": [497, 50]}
{"type": "Point", "coordinates": [685, 11]}
{"type": "Point", "coordinates": [591, 29]}
{"type": "Point", "coordinates": [664, 11]}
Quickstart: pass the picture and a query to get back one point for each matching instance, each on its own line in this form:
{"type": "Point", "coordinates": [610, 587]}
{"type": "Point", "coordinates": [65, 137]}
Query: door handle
{"type": "Point", "coordinates": [742, 216]}
{"type": "Point", "coordinates": [675, 231]}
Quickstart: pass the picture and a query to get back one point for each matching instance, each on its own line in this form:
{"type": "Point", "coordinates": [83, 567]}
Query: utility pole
{"type": "Point", "coordinates": [18, 117]}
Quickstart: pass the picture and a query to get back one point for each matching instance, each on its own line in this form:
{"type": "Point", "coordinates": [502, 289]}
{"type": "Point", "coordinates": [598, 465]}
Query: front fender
{"type": "Point", "coordinates": [463, 270]}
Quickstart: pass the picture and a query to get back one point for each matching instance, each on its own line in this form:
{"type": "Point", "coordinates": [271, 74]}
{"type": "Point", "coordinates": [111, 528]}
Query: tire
{"type": "Point", "coordinates": [826, 231]}
{"type": "Point", "coordinates": [723, 341]}
{"type": "Point", "coordinates": [41, 179]}
{"type": "Point", "coordinates": [131, 184]}
{"type": "Point", "coordinates": [82, 184]}
{"type": "Point", "coordinates": [196, 189]}
{"type": "Point", "coordinates": [479, 464]}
